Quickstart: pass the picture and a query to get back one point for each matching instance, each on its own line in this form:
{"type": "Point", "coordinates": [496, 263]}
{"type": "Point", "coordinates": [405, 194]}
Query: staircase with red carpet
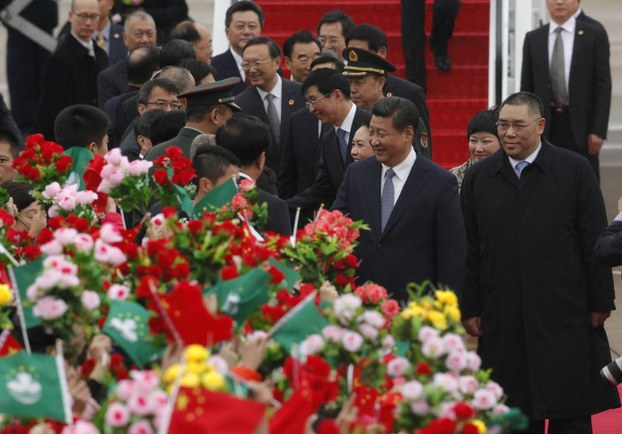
{"type": "Point", "coordinates": [452, 97]}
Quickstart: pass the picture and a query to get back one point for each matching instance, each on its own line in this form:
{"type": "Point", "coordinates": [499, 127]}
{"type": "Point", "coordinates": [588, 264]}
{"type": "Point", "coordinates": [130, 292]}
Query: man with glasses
{"type": "Point", "coordinates": [332, 30]}
{"type": "Point", "coordinates": [300, 49]}
{"type": "Point", "coordinates": [243, 22]}
{"type": "Point", "coordinates": [271, 98]}
{"type": "Point", "coordinates": [327, 95]}
{"type": "Point", "coordinates": [208, 107]}
{"type": "Point", "coordinates": [534, 293]}
{"type": "Point", "coordinates": [70, 74]}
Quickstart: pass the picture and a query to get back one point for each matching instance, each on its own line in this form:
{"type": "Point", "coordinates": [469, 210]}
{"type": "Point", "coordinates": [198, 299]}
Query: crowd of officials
{"type": "Point", "coordinates": [512, 230]}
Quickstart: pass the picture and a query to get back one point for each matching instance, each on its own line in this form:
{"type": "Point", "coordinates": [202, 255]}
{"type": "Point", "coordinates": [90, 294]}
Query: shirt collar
{"type": "Point", "coordinates": [236, 57]}
{"type": "Point", "coordinates": [403, 169]}
{"type": "Point", "coordinates": [105, 31]}
{"type": "Point", "coordinates": [346, 125]}
{"type": "Point", "coordinates": [87, 45]}
{"type": "Point", "coordinates": [530, 159]}
{"type": "Point", "coordinates": [277, 90]}
{"type": "Point", "coordinates": [568, 26]}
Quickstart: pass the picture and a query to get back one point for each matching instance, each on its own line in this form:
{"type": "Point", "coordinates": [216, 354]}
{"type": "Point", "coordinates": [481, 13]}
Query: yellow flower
{"type": "Point", "coordinates": [437, 319]}
{"type": "Point", "coordinates": [196, 367]}
{"type": "Point", "coordinates": [171, 373]}
{"type": "Point", "coordinates": [425, 303]}
{"type": "Point", "coordinates": [6, 296]}
{"type": "Point", "coordinates": [196, 353]}
{"type": "Point", "coordinates": [213, 381]}
{"type": "Point", "coordinates": [453, 313]}
{"type": "Point", "coordinates": [447, 297]}
{"type": "Point", "coordinates": [481, 426]}
{"type": "Point", "coordinates": [190, 380]}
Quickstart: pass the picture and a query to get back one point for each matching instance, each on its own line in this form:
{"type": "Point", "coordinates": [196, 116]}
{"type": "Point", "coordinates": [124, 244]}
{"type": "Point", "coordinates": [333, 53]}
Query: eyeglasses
{"type": "Point", "coordinates": [311, 102]}
{"type": "Point", "coordinates": [174, 105]}
{"type": "Point", "coordinates": [85, 17]}
{"type": "Point", "coordinates": [516, 126]}
{"type": "Point", "coordinates": [246, 66]}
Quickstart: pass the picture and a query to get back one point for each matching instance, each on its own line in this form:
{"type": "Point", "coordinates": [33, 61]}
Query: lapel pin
{"type": "Point", "coordinates": [290, 102]}
{"type": "Point", "coordinates": [580, 32]}
{"type": "Point", "coordinates": [389, 94]}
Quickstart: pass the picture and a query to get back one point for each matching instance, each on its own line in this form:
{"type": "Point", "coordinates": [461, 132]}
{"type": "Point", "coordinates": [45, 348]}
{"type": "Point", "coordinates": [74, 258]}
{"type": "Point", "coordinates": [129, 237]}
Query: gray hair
{"type": "Point", "coordinates": [199, 141]}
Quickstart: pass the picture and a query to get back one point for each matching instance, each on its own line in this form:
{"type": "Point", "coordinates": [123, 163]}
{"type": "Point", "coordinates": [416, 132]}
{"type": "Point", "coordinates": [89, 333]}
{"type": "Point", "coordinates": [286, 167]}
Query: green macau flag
{"type": "Point", "coordinates": [301, 321]}
{"type": "Point", "coordinates": [22, 277]}
{"type": "Point", "coordinates": [239, 297]}
{"type": "Point", "coordinates": [128, 326]}
{"type": "Point", "coordinates": [215, 199]}
{"type": "Point", "coordinates": [34, 386]}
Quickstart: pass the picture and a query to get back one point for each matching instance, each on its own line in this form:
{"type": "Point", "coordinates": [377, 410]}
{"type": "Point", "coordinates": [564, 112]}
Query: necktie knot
{"type": "Point", "coordinates": [273, 118]}
{"type": "Point", "coordinates": [559, 30]}
{"type": "Point", "coordinates": [343, 143]}
{"type": "Point", "coordinates": [520, 166]}
{"type": "Point", "coordinates": [269, 98]}
{"type": "Point", "coordinates": [390, 173]}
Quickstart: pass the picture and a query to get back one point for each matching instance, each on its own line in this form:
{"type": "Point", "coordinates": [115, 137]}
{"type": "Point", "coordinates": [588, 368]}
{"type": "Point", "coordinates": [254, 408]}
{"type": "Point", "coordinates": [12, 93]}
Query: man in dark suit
{"type": "Point", "coordinates": [608, 247]}
{"type": "Point", "coordinates": [532, 213]}
{"type": "Point", "coordinates": [70, 74]}
{"type": "Point", "coordinates": [140, 31]}
{"type": "Point", "coordinates": [270, 97]}
{"type": "Point", "coordinates": [374, 39]}
{"type": "Point", "coordinates": [410, 204]}
{"type": "Point", "coordinates": [198, 35]}
{"type": "Point", "coordinates": [248, 138]}
{"type": "Point", "coordinates": [566, 63]}
{"type": "Point", "coordinates": [328, 97]}
{"type": "Point", "coordinates": [243, 22]}
{"type": "Point", "coordinates": [209, 106]}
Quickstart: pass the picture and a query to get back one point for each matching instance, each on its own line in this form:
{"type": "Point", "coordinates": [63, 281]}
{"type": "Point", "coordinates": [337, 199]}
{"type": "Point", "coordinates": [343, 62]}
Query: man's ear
{"type": "Point", "coordinates": [382, 52]}
{"type": "Point", "coordinates": [141, 109]}
{"type": "Point", "coordinates": [205, 185]}
{"type": "Point", "coordinates": [261, 161]}
{"type": "Point", "coordinates": [91, 147]}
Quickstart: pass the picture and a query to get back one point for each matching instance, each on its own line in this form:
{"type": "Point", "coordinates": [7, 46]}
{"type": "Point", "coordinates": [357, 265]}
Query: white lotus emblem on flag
{"type": "Point", "coordinates": [24, 389]}
{"type": "Point", "coordinates": [127, 328]}
{"type": "Point", "coordinates": [231, 304]}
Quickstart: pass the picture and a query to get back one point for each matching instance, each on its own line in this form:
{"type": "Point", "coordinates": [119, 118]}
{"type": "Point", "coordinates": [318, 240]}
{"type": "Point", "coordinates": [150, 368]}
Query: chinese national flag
{"type": "Point", "coordinates": [8, 344]}
{"type": "Point", "coordinates": [200, 411]}
{"type": "Point", "coordinates": [292, 417]}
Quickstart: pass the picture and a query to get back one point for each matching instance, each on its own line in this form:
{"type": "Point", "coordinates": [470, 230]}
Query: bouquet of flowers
{"type": "Point", "coordinates": [201, 370]}
{"type": "Point", "coordinates": [42, 163]}
{"type": "Point", "coordinates": [172, 176]}
{"type": "Point", "coordinates": [69, 200]}
{"type": "Point", "coordinates": [6, 301]}
{"type": "Point", "coordinates": [323, 249]}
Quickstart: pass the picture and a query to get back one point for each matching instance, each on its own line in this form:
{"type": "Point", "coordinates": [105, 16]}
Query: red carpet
{"type": "Point", "coordinates": [609, 422]}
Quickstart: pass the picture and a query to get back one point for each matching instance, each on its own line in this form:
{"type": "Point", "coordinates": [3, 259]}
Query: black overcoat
{"type": "Point", "coordinates": [532, 277]}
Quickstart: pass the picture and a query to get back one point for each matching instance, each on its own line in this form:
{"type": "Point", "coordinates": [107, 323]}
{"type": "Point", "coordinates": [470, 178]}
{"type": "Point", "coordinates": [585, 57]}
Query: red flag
{"type": "Point", "coordinates": [8, 344]}
{"type": "Point", "coordinates": [200, 411]}
{"type": "Point", "coordinates": [195, 325]}
{"type": "Point", "coordinates": [292, 417]}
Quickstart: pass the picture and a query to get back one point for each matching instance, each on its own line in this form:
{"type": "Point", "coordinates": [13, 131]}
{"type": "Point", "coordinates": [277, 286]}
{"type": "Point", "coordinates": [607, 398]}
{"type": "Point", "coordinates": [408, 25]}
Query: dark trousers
{"type": "Point", "coordinates": [413, 34]}
{"type": "Point", "coordinates": [560, 134]}
{"type": "Point", "coordinates": [25, 59]}
{"type": "Point", "coordinates": [570, 425]}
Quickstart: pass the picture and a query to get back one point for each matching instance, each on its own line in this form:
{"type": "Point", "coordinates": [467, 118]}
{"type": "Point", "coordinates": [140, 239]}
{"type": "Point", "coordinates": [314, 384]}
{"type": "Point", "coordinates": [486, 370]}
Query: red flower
{"type": "Point", "coordinates": [277, 275]}
{"type": "Point", "coordinates": [195, 227]}
{"type": "Point", "coordinates": [423, 369]}
{"type": "Point", "coordinates": [64, 164]}
{"type": "Point", "coordinates": [87, 367]}
{"type": "Point", "coordinates": [272, 313]}
{"type": "Point", "coordinates": [469, 428]}
{"type": "Point", "coordinates": [351, 261]}
{"type": "Point", "coordinates": [229, 272]}
{"type": "Point", "coordinates": [161, 177]}
{"type": "Point", "coordinates": [390, 308]}
{"type": "Point", "coordinates": [463, 411]}
{"type": "Point", "coordinates": [341, 280]}
{"type": "Point", "coordinates": [328, 426]}
{"type": "Point", "coordinates": [441, 426]}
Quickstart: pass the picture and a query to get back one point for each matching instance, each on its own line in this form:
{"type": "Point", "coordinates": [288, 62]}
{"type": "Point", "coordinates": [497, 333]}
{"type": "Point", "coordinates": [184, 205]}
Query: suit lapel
{"type": "Point", "coordinates": [577, 46]}
{"type": "Point", "coordinates": [416, 180]}
{"type": "Point", "coordinates": [372, 187]}
{"type": "Point", "coordinates": [286, 109]}
{"type": "Point", "coordinates": [542, 50]}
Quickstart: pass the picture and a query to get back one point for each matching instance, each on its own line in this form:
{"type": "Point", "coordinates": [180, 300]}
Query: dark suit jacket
{"type": "Point", "coordinates": [226, 67]}
{"type": "Point", "coordinates": [396, 86]}
{"type": "Point", "coordinates": [183, 140]}
{"type": "Point", "coordinates": [301, 154]}
{"type": "Point", "coordinates": [291, 100]}
{"type": "Point", "coordinates": [278, 213]}
{"type": "Point", "coordinates": [116, 47]}
{"type": "Point", "coordinates": [608, 247]}
{"type": "Point", "coordinates": [589, 84]}
{"type": "Point", "coordinates": [424, 238]}
{"type": "Point", "coordinates": [69, 77]}
{"type": "Point", "coordinates": [112, 81]}
{"type": "Point", "coordinates": [331, 168]}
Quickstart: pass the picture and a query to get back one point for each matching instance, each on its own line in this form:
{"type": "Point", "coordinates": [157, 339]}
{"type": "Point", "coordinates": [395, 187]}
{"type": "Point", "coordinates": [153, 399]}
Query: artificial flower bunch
{"type": "Point", "coordinates": [6, 303]}
{"type": "Point", "coordinates": [323, 250]}
{"type": "Point", "coordinates": [137, 405]}
{"type": "Point", "coordinates": [68, 200]}
{"type": "Point", "coordinates": [201, 369]}
{"type": "Point", "coordinates": [245, 205]}
{"type": "Point", "coordinates": [172, 176]}
{"type": "Point", "coordinates": [41, 163]}
{"type": "Point", "coordinates": [74, 272]}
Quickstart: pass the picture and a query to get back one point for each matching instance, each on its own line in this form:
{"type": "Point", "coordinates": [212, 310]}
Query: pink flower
{"type": "Point", "coordinates": [68, 280]}
{"type": "Point", "coordinates": [412, 390]}
{"type": "Point", "coordinates": [109, 234]}
{"type": "Point", "coordinates": [141, 427]}
{"type": "Point", "coordinates": [102, 251]}
{"type": "Point", "coordinates": [117, 415]}
{"type": "Point", "coordinates": [104, 187]}
{"type": "Point", "coordinates": [219, 364]}
{"type": "Point", "coordinates": [332, 333]}
{"type": "Point", "coordinates": [159, 398]}
{"type": "Point", "coordinates": [473, 361]}
{"type": "Point", "coordinates": [427, 332]}
{"type": "Point", "coordinates": [65, 236]}
{"type": "Point", "coordinates": [49, 308]}
{"type": "Point", "coordinates": [116, 256]}
{"type": "Point", "coordinates": [80, 427]}
{"type": "Point", "coordinates": [139, 167]}
{"type": "Point", "coordinates": [453, 342]}
{"type": "Point", "coordinates": [84, 243]}
{"type": "Point", "coordinates": [390, 308]}
{"type": "Point", "coordinates": [397, 367]}
{"type": "Point", "coordinates": [447, 382]}
{"type": "Point", "coordinates": [246, 185]}
{"type": "Point", "coordinates": [388, 343]}
{"type": "Point", "coordinates": [90, 300]}
{"type": "Point", "coordinates": [140, 404]}
{"type": "Point", "coordinates": [420, 407]}
{"type": "Point", "coordinates": [373, 318]}
{"type": "Point", "coordinates": [312, 345]}
{"type": "Point", "coordinates": [118, 292]}
{"type": "Point", "coordinates": [239, 201]}
{"type": "Point", "coordinates": [124, 389]}
{"type": "Point", "coordinates": [468, 384]}
{"type": "Point", "coordinates": [54, 247]}
{"type": "Point", "coordinates": [51, 190]}
{"type": "Point", "coordinates": [495, 388]}
{"type": "Point", "coordinates": [158, 220]}
{"type": "Point", "coordinates": [371, 293]}
{"type": "Point", "coordinates": [500, 409]}
{"type": "Point", "coordinates": [351, 341]}
{"type": "Point", "coordinates": [456, 361]}
{"type": "Point", "coordinates": [483, 399]}
{"type": "Point", "coordinates": [114, 157]}
{"type": "Point", "coordinates": [53, 211]}
{"type": "Point", "coordinates": [345, 306]}
{"type": "Point", "coordinates": [146, 380]}
{"type": "Point", "coordinates": [67, 203]}
{"type": "Point", "coordinates": [115, 178]}
{"type": "Point", "coordinates": [433, 347]}
{"type": "Point", "coordinates": [86, 197]}
{"type": "Point", "coordinates": [369, 332]}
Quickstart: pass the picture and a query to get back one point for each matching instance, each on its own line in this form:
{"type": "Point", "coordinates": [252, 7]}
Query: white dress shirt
{"type": "Point", "coordinates": [530, 159]}
{"type": "Point", "coordinates": [238, 63]}
{"type": "Point", "coordinates": [277, 91]}
{"type": "Point", "coordinates": [568, 38]}
{"type": "Point", "coordinates": [402, 170]}
{"type": "Point", "coordinates": [346, 125]}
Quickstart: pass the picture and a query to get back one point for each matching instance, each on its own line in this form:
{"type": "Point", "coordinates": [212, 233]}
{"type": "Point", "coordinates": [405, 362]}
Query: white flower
{"type": "Point", "coordinates": [433, 347]}
{"type": "Point", "coordinates": [388, 343]}
{"type": "Point", "coordinates": [49, 308]}
{"type": "Point", "coordinates": [351, 341]}
{"type": "Point", "coordinates": [397, 367]}
{"type": "Point", "coordinates": [483, 399]}
{"type": "Point", "coordinates": [84, 243]}
{"type": "Point", "coordinates": [90, 300]}
{"type": "Point", "coordinates": [332, 333]}
{"type": "Point", "coordinates": [456, 361]}
{"type": "Point", "coordinates": [370, 332]}
{"type": "Point", "coordinates": [495, 388]}
{"type": "Point", "coordinates": [86, 197]}
{"type": "Point", "coordinates": [412, 390]}
{"type": "Point", "coordinates": [373, 318]}
{"type": "Point", "coordinates": [65, 236]}
{"type": "Point", "coordinates": [468, 384]}
{"type": "Point", "coordinates": [447, 382]}
{"type": "Point", "coordinates": [453, 342]}
{"type": "Point", "coordinates": [500, 409]}
{"type": "Point", "coordinates": [53, 247]}
{"type": "Point", "coordinates": [312, 345]}
{"type": "Point", "coordinates": [473, 361]}
{"type": "Point", "coordinates": [345, 306]}
{"type": "Point", "coordinates": [427, 332]}
{"type": "Point", "coordinates": [420, 407]}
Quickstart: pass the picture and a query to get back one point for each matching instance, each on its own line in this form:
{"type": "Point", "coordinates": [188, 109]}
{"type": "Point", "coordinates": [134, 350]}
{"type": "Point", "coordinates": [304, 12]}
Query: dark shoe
{"type": "Point", "coordinates": [443, 62]}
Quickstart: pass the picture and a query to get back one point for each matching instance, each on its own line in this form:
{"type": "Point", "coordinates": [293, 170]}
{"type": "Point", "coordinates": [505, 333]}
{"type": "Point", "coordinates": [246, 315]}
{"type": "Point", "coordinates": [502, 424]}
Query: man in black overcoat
{"type": "Point", "coordinates": [534, 293]}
